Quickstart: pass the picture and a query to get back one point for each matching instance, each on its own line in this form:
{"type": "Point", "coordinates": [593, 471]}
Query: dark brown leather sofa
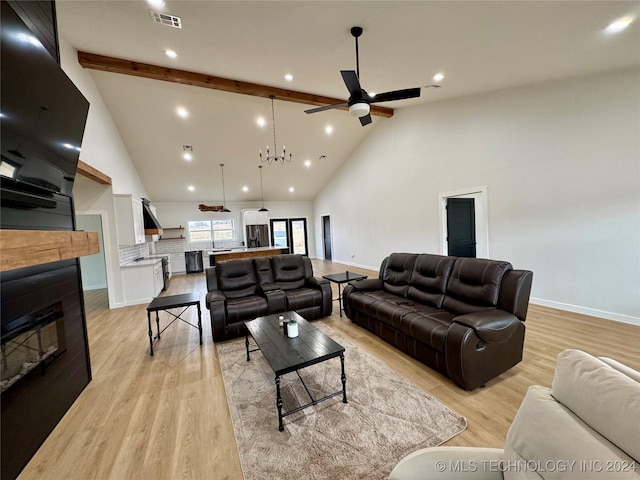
{"type": "Point", "coordinates": [243, 289]}
{"type": "Point", "coordinates": [463, 317]}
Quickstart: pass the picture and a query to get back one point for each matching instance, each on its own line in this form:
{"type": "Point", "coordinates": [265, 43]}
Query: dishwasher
{"type": "Point", "coordinates": [193, 261]}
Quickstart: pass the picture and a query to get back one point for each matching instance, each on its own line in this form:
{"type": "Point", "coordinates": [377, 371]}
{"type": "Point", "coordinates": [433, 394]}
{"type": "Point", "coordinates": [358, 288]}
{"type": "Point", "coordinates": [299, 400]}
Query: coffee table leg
{"type": "Point", "coordinates": [343, 377]}
{"type": "Point", "coordinates": [199, 323]}
{"type": "Point", "coordinates": [279, 404]}
{"type": "Point", "coordinates": [150, 333]}
{"type": "Point", "coordinates": [246, 344]}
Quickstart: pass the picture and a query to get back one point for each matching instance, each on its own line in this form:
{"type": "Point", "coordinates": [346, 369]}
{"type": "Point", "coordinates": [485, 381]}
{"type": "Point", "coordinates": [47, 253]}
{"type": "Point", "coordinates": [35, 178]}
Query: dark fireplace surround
{"type": "Point", "coordinates": [44, 354]}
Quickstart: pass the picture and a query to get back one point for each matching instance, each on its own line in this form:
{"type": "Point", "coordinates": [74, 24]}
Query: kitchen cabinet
{"type": "Point", "coordinates": [142, 282]}
{"type": "Point", "coordinates": [129, 220]}
{"type": "Point", "coordinates": [254, 217]}
{"type": "Point", "coordinates": [177, 262]}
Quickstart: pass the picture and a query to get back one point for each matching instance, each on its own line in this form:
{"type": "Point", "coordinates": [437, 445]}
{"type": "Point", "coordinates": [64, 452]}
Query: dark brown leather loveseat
{"type": "Point", "coordinates": [463, 317]}
{"type": "Point", "coordinates": [243, 289]}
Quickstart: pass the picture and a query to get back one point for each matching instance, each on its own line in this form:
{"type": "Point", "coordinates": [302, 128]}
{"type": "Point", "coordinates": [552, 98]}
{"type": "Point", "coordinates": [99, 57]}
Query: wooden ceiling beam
{"type": "Point", "coordinates": [94, 174]}
{"type": "Point", "coordinates": [155, 72]}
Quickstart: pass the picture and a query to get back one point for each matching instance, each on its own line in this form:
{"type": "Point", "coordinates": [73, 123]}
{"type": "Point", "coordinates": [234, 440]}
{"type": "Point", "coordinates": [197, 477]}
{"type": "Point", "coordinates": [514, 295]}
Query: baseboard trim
{"type": "Point", "coordinates": [352, 264]}
{"type": "Point", "coordinates": [616, 317]}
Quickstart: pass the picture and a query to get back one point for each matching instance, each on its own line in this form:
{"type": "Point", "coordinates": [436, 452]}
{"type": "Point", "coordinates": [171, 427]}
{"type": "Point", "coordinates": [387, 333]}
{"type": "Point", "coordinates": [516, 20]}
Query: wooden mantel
{"type": "Point", "coordinates": [26, 248]}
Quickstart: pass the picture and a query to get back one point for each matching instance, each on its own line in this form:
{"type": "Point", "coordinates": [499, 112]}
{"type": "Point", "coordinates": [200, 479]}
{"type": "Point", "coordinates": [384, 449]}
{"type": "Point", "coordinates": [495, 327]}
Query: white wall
{"type": "Point", "coordinates": [94, 273]}
{"type": "Point", "coordinates": [102, 146]}
{"type": "Point", "coordinates": [561, 162]}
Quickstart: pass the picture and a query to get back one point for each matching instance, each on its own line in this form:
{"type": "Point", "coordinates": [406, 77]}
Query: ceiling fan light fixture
{"type": "Point", "coordinates": [360, 109]}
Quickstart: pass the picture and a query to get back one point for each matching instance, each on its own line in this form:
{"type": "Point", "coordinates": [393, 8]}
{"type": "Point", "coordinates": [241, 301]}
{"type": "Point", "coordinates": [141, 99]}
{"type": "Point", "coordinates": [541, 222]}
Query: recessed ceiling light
{"type": "Point", "coordinates": [291, 189]}
{"type": "Point", "coordinates": [619, 25]}
{"type": "Point", "coordinates": [261, 121]}
{"type": "Point", "coordinates": [245, 189]}
{"type": "Point", "coordinates": [156, 3]}
{"type": "Point", "coordinates": [438, 77]}
{"type": "Point", "coordinates": [328, 129]}
{"type": "Point", "coordinates": [307, 163]}
{"type": "Point", "coordinates": [182, 112]}
{"type": "Point", "coordinates": [170, 53]}
{"type": "Point", "coordinates": [191, 188]}
{"type": "Point", "coordinates": [288, 77]}
{"type": "Point", "coordinates": [187, 156]}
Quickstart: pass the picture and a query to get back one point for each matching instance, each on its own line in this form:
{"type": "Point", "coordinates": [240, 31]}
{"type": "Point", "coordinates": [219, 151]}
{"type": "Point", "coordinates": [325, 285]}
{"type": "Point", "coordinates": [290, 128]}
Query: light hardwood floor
{"type": "Point", "coordinates": [166, 417]}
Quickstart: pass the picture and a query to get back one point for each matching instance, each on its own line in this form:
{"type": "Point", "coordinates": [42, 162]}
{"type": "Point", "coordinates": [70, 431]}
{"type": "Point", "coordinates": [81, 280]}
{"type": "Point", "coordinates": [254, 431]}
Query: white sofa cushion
{"type": "Point", "coordinates": [628, 371]}
{"type": "Point", "coordinates": [603, 397]}
{"type": "Point", "coordinates": [548, 441]}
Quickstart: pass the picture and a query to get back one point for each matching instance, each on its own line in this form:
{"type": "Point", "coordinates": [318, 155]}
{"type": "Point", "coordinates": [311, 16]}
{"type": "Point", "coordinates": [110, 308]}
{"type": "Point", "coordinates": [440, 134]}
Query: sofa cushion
{"type": "Point", "coordinates": [428, 328]}
{"type": "Point", "coordinates": [236, 278]}
{"type": "Point", "coordinates": [474, 285]}
{"type": "Point", "coordinates": [288, 271]}
{"type": "Point", "coordinates": [245, 308]}
{"type": "Point", "coordinates": [604, 398]}
{"type": "Point", "coordinates": [300, 298]}
{"type": "Point", "coordinates": [547, 440]}
{"type": "Point", "coordinates": [429, 279]}
{"type": "Point", "coordinates": [397, 273]}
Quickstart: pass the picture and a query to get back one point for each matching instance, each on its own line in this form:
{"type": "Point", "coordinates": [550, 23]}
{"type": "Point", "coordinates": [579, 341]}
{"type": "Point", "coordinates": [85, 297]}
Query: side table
{"type": "Point", "coordinates": [341, 278]}
{"type": "Point", "coordinates": [185, 300]}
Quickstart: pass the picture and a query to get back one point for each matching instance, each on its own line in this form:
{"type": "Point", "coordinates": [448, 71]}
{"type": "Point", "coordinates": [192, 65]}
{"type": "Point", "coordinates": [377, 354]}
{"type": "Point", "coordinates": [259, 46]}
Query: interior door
{"type": "Point", "coordinates": [461, 227]}
{"type": "Point", "coordinates": [326, 236]}
{"type": "Point", "coordinates": [291, 232]}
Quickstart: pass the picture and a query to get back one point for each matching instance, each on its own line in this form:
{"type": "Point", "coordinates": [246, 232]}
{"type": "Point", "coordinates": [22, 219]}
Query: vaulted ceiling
{"type": "Point", "coordinates": [479, 46]}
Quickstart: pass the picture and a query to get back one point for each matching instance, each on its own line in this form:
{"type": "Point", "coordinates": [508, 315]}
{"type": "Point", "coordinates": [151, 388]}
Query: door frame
{"type": "Point", "coordinates": [324, 248]}
{"type": "Point", "coordinates": [289, 221]}
{"type": "Point", "coordinates": [106, 236]}
{"type": "Point", "coordinates": [479, 194]}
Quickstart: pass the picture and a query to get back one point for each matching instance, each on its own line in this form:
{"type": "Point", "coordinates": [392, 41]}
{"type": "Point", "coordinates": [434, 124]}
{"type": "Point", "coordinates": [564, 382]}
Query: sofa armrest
{"type": "Point", "coordinates": [268, 287]}
{"type": "Point", "coordinates": [315, 282]}
{"type": "Point", "coordinates": [216, 303]}
{"type": "Point", "coordinates": [215, 296]}
{"type": "Point", "coordinates": [450, 463]}
{"type": "Point", "coordinates": [492, 326]}
{"type": "Point", "coordinates": [368, 284]}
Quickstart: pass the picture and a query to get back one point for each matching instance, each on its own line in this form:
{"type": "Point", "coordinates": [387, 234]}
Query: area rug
{"type": "Point", "coordinates": [386, 418]}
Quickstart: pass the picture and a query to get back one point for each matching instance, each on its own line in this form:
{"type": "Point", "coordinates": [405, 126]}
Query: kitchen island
{"type": "Point", "coordinates": [219, 254]}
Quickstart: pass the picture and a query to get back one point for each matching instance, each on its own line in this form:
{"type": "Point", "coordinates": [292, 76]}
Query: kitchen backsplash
{"type": "Point", "coordinates": [128, 253]}
{"type": "Point", "coordinates": [182, 245]}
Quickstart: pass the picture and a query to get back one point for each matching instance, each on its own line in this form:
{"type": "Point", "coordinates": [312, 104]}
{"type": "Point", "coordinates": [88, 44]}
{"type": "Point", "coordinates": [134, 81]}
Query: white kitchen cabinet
{"type": "Point", "coordinates": [142, 282]}
{"type": "Point", "coordinates": [129, 220]}
{"type": "Point", "coordinates": [254, 217]}
{"type": "Point", "coordinates": [178, 264]}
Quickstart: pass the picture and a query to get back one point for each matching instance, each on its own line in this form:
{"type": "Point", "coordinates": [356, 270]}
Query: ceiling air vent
{"type": "Point", "coordinates": [166, 19]}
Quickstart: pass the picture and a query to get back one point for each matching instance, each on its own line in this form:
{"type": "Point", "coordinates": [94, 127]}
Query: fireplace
{"type": "Point", "coordinates": [44, 356]}
{"type": "Point", "coordinates": [30, 343]}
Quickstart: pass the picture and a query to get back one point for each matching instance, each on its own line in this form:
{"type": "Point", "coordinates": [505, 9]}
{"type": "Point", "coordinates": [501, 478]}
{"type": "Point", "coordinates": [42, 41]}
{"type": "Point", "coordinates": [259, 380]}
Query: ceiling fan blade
{"type": "Point", "coordinates": [326, 107]}
{"type": "Point", "coordinates": [351, 81]}
{"type": "Point", "coordinates": [366, 120]}
{"type": "Point", "coordinates": [396, 95]}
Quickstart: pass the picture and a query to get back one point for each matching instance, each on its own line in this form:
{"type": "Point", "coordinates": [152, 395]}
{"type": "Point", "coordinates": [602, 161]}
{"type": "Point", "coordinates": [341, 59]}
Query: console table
{"type": "Point", "coordinates": [184, 301]}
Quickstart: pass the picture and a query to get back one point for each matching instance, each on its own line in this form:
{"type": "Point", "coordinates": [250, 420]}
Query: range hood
{"type": "Point", "coordinates": [151, 223]}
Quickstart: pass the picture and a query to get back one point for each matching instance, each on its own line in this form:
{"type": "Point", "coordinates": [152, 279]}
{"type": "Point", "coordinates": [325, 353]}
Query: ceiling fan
{"type": "Point", "coordinates": [360, 101]}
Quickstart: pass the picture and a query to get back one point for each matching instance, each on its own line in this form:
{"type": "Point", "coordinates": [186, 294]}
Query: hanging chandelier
{"type": "Point", "coordinates": [262, 191]}
{"type": "Point", "coordinates": [275, 158]}
{"type": "Point", "coordinates": [224, 197]}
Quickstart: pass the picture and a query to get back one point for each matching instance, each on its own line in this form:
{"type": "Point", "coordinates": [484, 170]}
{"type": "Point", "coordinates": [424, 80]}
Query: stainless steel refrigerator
{"type": "Point", "coordinates": [257, 235]}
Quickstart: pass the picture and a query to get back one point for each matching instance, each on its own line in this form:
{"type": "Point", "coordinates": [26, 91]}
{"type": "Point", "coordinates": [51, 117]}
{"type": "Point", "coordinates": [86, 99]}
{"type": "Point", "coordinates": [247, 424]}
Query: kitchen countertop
{"type": "Point", "coordinates": [144, 263]}
{"type": "Point", "coordinates": [223, 251]}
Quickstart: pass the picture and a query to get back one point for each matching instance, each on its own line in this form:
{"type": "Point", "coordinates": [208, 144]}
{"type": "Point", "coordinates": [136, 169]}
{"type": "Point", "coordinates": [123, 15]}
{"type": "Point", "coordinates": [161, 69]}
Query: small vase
{"type": "Point", "coordinates": [292, 329]}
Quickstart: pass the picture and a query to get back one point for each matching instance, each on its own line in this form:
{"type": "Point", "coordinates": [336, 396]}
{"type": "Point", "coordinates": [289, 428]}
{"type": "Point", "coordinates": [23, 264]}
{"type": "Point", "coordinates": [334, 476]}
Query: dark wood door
{"type": "Point", "coordinates": [461, 227]}
{"type": "Point", "coordinates": [326, 236]}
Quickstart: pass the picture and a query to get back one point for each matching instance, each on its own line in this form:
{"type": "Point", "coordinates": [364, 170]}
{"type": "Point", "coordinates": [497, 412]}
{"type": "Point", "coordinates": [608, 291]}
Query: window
{"type": "Point", "coordinates": [210, 230]}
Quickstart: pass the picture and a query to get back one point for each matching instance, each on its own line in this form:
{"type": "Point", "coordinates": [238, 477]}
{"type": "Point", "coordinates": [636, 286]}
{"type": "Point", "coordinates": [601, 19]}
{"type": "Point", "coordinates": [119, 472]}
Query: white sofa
{"type": "Point", "coordinates": [587, 425]}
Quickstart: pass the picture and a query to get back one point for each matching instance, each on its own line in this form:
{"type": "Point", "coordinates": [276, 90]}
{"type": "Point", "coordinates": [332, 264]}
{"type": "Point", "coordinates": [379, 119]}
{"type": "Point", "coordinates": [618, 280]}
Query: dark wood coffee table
{"type": "Point", "coordinates": [286, 355]}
